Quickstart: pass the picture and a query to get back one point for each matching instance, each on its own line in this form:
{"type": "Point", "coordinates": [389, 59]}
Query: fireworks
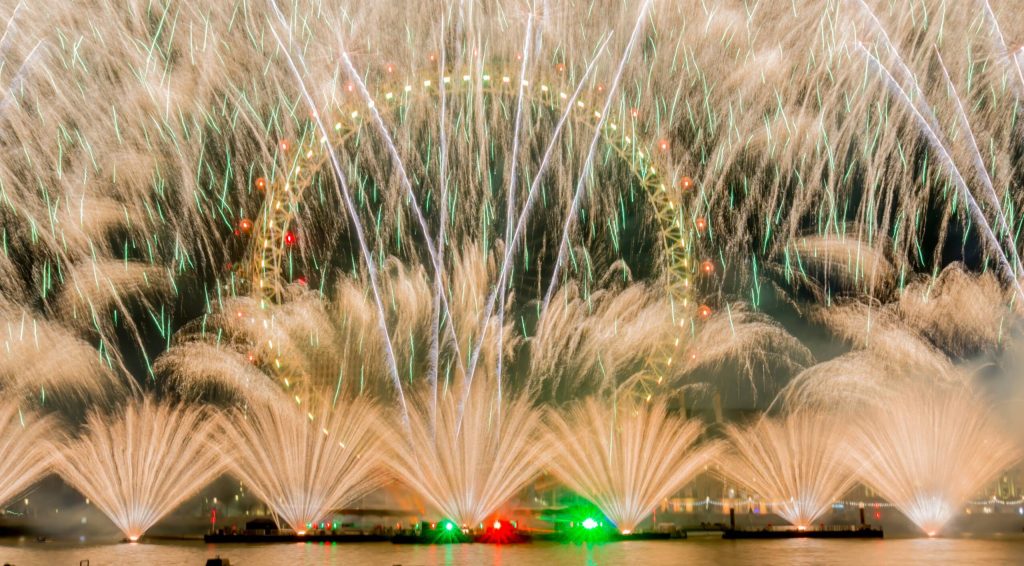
{"type": "Point", "coordinates": [799, 462]}
{"type": "Point", "coordinates": [928, 457]}
{"type": "Point", "coordinates": [627, 459]}
{"type": "Point", "coordinates": [478, 456]}
{"type": "Point", "coordinates": [137, 466]}
{"type": "Point", "coordinates": [321, 221]}
{"type": "Point", "coordinates": [26, 453]}
{"type": "Point", "coordinates": [305, 466]}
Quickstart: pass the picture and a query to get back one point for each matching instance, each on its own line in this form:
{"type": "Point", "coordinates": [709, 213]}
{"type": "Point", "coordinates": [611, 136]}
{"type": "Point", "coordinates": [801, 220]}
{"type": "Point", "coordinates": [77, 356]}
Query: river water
{"type": "Point", "coordinates": [695, 551]}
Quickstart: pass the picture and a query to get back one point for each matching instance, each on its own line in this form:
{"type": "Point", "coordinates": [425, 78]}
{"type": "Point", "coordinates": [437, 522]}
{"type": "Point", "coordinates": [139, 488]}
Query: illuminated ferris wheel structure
{"type": "Point", "coordinates": [268, 266]}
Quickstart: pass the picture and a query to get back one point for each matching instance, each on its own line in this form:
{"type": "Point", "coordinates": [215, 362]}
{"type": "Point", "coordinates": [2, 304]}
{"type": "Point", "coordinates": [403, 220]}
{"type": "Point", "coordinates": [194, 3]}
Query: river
{"type": "Point", "coordinates": [696, 551]}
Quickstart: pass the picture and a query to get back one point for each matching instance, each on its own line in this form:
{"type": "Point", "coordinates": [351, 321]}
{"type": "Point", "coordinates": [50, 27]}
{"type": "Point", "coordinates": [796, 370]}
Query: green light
{"type": "Point", "coordinates": [589, 523]}
{"type": "Point", "coordinates": [449, 526]}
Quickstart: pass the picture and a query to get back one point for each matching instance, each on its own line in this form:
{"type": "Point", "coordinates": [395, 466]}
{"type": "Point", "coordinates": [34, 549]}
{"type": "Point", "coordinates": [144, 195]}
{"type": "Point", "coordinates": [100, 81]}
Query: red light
{"type": "Point", "coordinates": [390, 68]}
{"type": "Point", "coordinates": [301, 280]}
{"type": "Point", "coordinates": [663, 145]}
{"type": "Point", "coordinates": [634, 112]}
{"type": "Point", "coordinates": [500, 532]}
{"type": "Point", "coordinates": [685, 183]}
{"type": "Point", "coordinates": [560, 68]}
{"type": "Point", "coordinates": [704, 311]}
{"type": "Point", "coordinates": [701, 224]}
{"type": "Point", "coordinates": [261, 183]}
{"type": "Point", "coordinates": [245, 225]}
{"type": "Point", "coordinates": [289, 238]}
{"type": "Point", "coordinates": [878, 515]}
{"type": "Point", "coordinates": [284, 145]}
{"type": "Point", "coordinates": [707, 267]}
{"type": "Point", "coordinates": [350, 87]}
{"type": "Point", "coordinates": [600, 88]}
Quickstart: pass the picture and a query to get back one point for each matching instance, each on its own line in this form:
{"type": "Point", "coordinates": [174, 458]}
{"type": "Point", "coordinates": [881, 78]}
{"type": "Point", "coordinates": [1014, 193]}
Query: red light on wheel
{"type": "Point", "coordinates": [289, 238]}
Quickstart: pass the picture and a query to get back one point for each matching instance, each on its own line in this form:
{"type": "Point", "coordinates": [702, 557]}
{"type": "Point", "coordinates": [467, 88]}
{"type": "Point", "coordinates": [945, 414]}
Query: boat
{"type": "Point", "coordinates": [425, 532]}
{"type": "Point", "coordinates": [709, 532]}
{"type": "Point", "coordinates": [276, 537]}
{"type": "Point", "coordinates": [606, 535]}
{"type": "Point", "coordinates": [844, 532]}
{"type": "Point", "coordinates": [647, 535]}
{"type": "Point", "coordinates": [862, 530]}
{"type": "Point", "coordinates": [503, 532]}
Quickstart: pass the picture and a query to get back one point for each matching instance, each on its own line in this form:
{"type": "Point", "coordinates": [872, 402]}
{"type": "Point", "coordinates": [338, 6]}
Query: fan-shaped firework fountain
{"type": "Point", "coordinates": [306, 465]}
{"type": "Point", "coordinates": [627, 459]}
{"type": "Point", "coordinates": [478, 456]}
{"type": "Point", "coordinates": [26, 453]}
{"type": "Point", "coordinates": [927, 447]}
{"type": "Point", "coordinates": [140, 464]}
{"type": "Point", "coordinates": [799, 462]}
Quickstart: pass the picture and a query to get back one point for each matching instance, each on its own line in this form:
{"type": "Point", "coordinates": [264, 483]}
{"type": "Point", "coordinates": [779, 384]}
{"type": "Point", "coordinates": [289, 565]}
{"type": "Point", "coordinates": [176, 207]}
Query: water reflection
{"type": "Point", "coordinates": [999, 550]}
